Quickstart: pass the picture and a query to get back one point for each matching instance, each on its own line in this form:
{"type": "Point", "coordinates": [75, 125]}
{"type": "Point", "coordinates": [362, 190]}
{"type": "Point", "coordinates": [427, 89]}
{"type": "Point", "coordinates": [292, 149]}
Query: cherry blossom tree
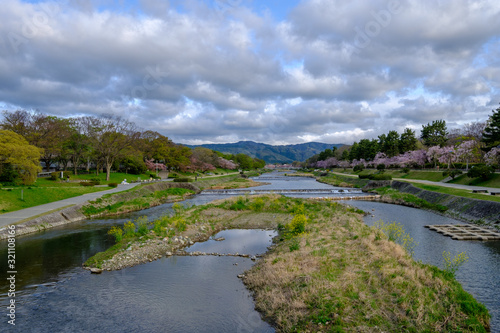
{"type": "Point", "coordinates": [152, 166]}
{"type": "Point", "coordinates": [493, 157]}
{"type": "Point", "coordinates": [465, 151]}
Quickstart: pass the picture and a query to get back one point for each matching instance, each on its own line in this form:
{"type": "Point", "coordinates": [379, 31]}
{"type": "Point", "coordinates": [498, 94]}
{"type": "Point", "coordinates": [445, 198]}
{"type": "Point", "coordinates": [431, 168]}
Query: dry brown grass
{"type": "Point", "coordinates": [344, 276]}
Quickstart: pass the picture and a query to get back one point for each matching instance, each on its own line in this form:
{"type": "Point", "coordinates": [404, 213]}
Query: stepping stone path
{"type": "Point", "coordinates": [465, 232]}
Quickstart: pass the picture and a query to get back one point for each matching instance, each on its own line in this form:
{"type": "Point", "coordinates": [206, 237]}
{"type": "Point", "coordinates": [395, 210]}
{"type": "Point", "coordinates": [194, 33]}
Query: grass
{"type": "Point", "coordinates": [328, 271]}
{"type": "Point", "coordinates": [10, 200]}
{"type": "Point", "coordinates": [457, 192]}
{"type": "Point", "coordinates": [409, 199]}
{"type": "Point", "coordinates": [464, 180]}
{"type": "Point", "coordinates": [133, 200]}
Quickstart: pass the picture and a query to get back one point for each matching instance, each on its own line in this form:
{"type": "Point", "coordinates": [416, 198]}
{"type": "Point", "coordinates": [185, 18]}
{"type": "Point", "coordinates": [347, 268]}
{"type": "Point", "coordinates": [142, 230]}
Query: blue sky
{"type": "Point", "coordinates": [202, 71]}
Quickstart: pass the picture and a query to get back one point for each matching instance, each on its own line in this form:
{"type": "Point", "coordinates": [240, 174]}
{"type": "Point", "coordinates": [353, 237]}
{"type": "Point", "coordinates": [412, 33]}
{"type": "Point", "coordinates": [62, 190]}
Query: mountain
{"type": "Point", "coordinates": [270, 153]}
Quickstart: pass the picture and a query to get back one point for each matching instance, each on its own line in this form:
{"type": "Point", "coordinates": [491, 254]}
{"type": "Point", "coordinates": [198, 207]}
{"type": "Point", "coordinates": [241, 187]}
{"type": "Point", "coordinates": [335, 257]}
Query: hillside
{"type": "Point", "coordinates": [270, 153]}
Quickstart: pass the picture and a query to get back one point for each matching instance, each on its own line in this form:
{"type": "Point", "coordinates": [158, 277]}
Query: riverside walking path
{"type": "Point", "coordinates": [428, 182]}
{"type": "Point", "coordinates": [27, 213]}
{"type": "Point", "coordinates": [32, 212]}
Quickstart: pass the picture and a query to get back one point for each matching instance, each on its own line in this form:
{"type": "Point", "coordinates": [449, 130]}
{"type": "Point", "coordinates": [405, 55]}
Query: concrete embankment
{"type": "Point", "coordinates": [74, 213]}
{"type": "Point", "coordinates": [465, 209]}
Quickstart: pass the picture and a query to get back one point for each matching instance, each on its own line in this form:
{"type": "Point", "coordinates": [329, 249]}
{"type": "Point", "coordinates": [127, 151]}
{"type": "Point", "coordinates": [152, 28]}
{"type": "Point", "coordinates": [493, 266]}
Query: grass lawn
{"type": "Point", "coordinates": [46, 190]}
{"type": "Point", "coordinates": [457, 192]}
{"type": "Point", "coordinates": [10, 200]}
{"type": "Point", "coordinates": [464, 180]}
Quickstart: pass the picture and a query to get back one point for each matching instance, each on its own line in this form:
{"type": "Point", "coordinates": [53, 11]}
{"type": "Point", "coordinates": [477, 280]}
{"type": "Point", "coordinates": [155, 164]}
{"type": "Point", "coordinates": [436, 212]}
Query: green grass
{"type": "Point", "coordinates": [457, 192]}
{"type": "Point", "coordinates": [46, 191]}
{"type": "Point", "coordinates": [10, 200]}
{"type": "Point", "coordinates": [464, 180]}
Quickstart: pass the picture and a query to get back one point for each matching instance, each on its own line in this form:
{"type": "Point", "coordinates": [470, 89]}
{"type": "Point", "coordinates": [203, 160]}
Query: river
{"type": "Point", "coordinates": [194, 294]}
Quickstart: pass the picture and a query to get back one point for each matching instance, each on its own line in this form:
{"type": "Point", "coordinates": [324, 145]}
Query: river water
{"type": "Point", "coordinates": [194, 294]}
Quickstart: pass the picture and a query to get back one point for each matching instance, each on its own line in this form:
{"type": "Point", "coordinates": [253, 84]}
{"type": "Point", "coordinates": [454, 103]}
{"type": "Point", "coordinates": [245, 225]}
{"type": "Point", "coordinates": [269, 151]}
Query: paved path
{"type": "Point", "coordinates": [428, 182]}
{"type": "Point", "coordinates": [19, 215]}
{"type": "Point", "coordinates": [22, 214]}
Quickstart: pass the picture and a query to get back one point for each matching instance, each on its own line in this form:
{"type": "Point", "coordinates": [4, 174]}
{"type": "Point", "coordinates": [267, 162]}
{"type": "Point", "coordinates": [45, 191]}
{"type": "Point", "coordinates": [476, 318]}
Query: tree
{"type": "Point", "coordinates": [47, 132]}
{"type": "Point", "coordinates": [391, 144]}
{"type": "Point", "coordinates": [434, 134]}
{"type": "Point", "coordinates": [491, 134]}
{"type": "Point", "coordinates": [481, 171]}
{"type": "Point", "coordinates": [110, 137]}
{"type": "Point", "coordinates": [466, 151]}
{"type": "Point", "coordinates": [18, 156]}
{"type": "Point", "coordinates": [408, 141]}
{"type": "Point", "coordinates": [492, 157]}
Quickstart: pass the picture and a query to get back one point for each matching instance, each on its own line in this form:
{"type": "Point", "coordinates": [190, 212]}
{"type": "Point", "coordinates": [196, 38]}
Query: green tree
{"type": "Point", "coordinates": [491, 134]}
{"type": "Point", "coordinates": [17, 155]}
{"type": "Point", "coordinates": [408, 141]}
{"type": "Point", "coordinates": [435, 134]}
{"type": "Point", "coordinates": [391, 144]}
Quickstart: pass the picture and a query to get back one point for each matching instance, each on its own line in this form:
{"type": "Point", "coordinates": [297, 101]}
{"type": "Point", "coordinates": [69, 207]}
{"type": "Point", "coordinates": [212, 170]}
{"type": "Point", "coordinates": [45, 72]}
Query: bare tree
{"type": "Point", "coordinates": [110, 137]}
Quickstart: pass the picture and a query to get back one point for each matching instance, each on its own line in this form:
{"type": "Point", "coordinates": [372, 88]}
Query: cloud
{"type": "Point", "coordinates": [329, 70]}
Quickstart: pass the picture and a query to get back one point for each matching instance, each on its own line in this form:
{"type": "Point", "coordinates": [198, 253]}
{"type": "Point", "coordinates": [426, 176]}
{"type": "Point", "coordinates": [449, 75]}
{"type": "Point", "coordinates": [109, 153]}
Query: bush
{"type": "Point", "coordinates": [406, 170]}
{"type": "Point", "coordinates": [481, 171]}
{"type": "Point", "coordinates": [452, 173]}
{"type": "Point", "coordinates": [86, 183]}
{"type": "Point", "coordinates": [367, 176]}
{"type": "Point", "coordinates": [298, 224]}
{"type": "Point", "coordinates": [57, 175]}
{"type": "Point", "coordinates": [182, 180]}
{"type": "Point", "coordinates": [112, 184]}
{"type": "Point", "coordinates": [173, 175]}
{"type": "Point", "coordinates": [381, 167]}
{"type": "Point", "coordinates": [129, 229]}
{"type": "Point", "coordinates": [117, 232]}
{"type": "Point", "coordinates": [358, 167]}
{"type": "Point", "coordinates": [380, 176]}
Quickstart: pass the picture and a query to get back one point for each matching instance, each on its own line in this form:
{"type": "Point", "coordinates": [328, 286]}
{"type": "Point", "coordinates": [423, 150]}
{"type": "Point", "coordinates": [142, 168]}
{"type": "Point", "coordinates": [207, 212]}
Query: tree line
{"type": "Point", "coordinates": [477, 142]}
{"type": "Point", "coordinates": [29, 139]}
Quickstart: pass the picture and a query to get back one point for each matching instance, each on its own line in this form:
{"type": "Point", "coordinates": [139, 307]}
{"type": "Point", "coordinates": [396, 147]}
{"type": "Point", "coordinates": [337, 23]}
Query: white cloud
{"type": "Point", "coordinates": [203, 75]}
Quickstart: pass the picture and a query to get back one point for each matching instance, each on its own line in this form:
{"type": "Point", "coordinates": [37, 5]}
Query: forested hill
{"type": "Point", "coordinates": [269, 153]}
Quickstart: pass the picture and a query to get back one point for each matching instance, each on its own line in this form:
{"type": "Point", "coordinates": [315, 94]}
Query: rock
{"type": "Point", "coordinates": [220, 239]}
{"type": "Point", "coordinates": [253, 258]}
{"type": "Point", "coordinates": [241, 276]}
{"type": "Point", "coordinates": [168, 253]}
{"type": "Point", "coordinates": [95, 270]}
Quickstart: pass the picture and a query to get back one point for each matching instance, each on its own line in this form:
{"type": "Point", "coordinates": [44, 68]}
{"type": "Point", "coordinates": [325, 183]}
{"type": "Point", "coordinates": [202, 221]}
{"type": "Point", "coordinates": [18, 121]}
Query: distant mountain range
{"type": "Point", "coordinates": [270, 153]}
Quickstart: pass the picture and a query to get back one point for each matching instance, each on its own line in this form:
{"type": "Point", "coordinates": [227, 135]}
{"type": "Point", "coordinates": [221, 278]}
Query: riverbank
{"type": "Point", "coordinates": [327, 271]}
{"type": "Point", "coordinates": [134, 199]}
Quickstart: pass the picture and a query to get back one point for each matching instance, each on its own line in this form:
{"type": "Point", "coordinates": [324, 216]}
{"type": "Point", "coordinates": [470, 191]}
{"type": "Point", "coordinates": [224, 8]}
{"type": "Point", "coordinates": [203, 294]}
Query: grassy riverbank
{"type": "Point", "coordinates": [328, 271]}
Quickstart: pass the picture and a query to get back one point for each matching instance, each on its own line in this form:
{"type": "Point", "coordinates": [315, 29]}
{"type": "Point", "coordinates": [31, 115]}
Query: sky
{"type": "Point", "coordinates": [277, 72]}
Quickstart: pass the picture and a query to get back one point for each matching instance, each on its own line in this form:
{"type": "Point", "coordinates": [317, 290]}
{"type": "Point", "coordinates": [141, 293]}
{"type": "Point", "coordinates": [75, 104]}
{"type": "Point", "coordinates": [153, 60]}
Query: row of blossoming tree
{"type": "Point", "coordinates": [474, 143]}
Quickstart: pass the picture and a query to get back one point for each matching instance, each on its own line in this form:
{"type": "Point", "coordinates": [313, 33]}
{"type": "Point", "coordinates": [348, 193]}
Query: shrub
{"type": "Point", "coordinates": [380, 176]}
{"type": "Point", "coordinates": [406, 170]}
{"type": "Point", "coordinates": [240, 204]}
{"type": "Point", "coordinates": [180, 224]}
{"type": "Point", "coordinates": [96, 181]}
{"type": "Point", "coordinates": [86, 183]}
{"type": "Point", "coordinates": [142, 225]}
{"type": "Point", "coordinates": [117, 232]}
{"type": "Point", "coordinates": [452, 173]}
{"type": "Point", "coordinates": [358, 167]}
{"type": "Point", "coordinates": [481, 171]}
{"type": "Point", "coordinates": [112, 184]}
{"type": "Point", "coordinates": [129, 229]}
{"type": "Point", "coordinates": [297, 225]}
{"type": "Point", "coordinates": [451, 265]}
{"type": "Point", "coordinates": [396, 233]}
{"type": "Point", "coordinates": [258, 204]}
{"type": "Point", "coordinates": [182, 180]}
{"type": "Point", "coordinates": [381, 167]}
{"type": "Point", "coordinates": [173, 175]}
{"type": "Point", "coordinates": [364, 176]}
